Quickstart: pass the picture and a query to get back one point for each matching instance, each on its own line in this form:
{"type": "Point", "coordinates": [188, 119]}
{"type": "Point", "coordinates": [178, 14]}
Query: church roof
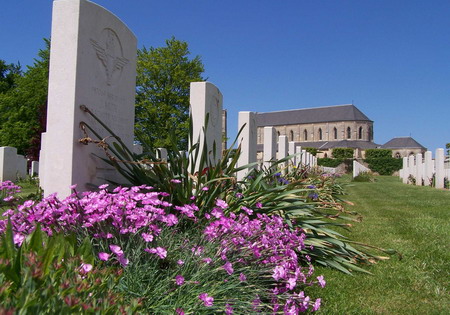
{"type": "Point", "coordinates": [402, 142]}
{"type": "Point", "coordinates": [347, 112]}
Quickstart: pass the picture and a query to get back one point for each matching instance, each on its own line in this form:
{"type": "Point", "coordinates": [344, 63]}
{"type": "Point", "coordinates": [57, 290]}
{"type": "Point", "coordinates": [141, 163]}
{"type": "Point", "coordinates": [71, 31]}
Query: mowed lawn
{"type": "Point", "coordinates": [416, 222]}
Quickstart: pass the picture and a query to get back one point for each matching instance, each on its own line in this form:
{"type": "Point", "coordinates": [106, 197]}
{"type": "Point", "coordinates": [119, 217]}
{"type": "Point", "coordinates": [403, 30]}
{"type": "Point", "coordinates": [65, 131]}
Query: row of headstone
{"type": "Point", "coordinates": [359, 168]}
{"type": "Point", "coordinates": [273, 150]}
{"type": "Point", "coordinates": [13, 166]}
{"type": "Point", "coordinates": [423, 170]}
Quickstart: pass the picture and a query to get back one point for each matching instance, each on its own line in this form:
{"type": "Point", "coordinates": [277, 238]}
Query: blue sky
{"type": "Point", "coordinates": [390, 58]}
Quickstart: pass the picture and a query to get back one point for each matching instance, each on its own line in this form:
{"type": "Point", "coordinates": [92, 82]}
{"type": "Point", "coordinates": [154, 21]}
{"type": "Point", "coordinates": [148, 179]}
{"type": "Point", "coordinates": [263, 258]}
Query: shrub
{"type": "Point", "coordinates": [342, 153]}
{"type": "Point", "coordinates": [364, 177]}
{"type": "Point", "coordinates": [384, 166]}
{"type": "Point", "coordinates": [378, 153]}
{"type": "Point", "coordinates": [313, 151]}
{"type": "Point", "coordinates": [329, 162]}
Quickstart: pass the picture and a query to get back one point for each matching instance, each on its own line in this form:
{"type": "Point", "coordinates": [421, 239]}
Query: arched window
{"type": "Point", "coordinates": [320, 133]}
{"type": "Point", "coordinates": [360, 133]}
{"type": "Point", "coordinates": [335, 133]}
{"type": "Point", "coordinates": [305, 135]}
{"type": "Point", "coordinates": [370, 134]}
{"type": "Point", "coordinates": [325, 155]}
{"type": "Point", "coordinates": [397, 155]}
{"type": "Point", "coordinates": [291, 135]}
{"type": "Point", "coordinates": [349, 132]}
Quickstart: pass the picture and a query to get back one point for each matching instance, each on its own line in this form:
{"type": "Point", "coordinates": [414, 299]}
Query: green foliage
{"type": "Point", "coordinates": [9, 73]}
{"type": "Point", "coordinates": [313, 151]}
{"type": "Point", "coordinates": [329, 162]}
{"type": "Point", "coordinates": [163, 83]}
{"type": "Point", "coordinates": [46, 275]}
{"type": "Point", "coordinates": [447, 146]}
{"type": "Point", "coordinates": [364, 177]}
{"type": "Point", "coordinates": [378, 153]}
{"type": "Point", "coordinates": [384, 166]}
{"type": "Point", "coordinates": [23, 107]}
{"type": "Point", "coordinates": [342, 153]}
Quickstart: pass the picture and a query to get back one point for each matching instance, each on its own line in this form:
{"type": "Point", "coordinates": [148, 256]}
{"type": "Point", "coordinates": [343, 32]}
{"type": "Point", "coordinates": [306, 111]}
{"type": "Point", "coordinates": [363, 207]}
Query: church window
{"type": "Point", "coordinates": [335, 133]}
{"type": "Point", "coordinates": [305, 135]}
{"type": "Point", "coordinates": [291, 135]}
{"type": "Point", "coordinates": [320, 133]}
{"type": "Point", "coordinates": [349, 132]}
{"type": "Point", "coordinates": [360, 133]}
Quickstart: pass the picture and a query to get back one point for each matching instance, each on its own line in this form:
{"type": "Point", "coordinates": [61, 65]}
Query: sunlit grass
{"type": "Point", "coordinates": [416, 222]}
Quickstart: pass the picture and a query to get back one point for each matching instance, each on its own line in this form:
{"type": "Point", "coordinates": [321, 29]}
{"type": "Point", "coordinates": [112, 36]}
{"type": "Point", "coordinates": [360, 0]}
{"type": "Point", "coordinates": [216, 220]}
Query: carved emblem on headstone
{"type": "Point", "coordinates": [109, 52]}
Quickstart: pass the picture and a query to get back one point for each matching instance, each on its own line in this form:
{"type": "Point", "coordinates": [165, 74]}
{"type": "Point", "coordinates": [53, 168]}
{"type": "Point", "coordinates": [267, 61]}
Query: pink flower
{"type": "Point", "coordinates": [180, 262]}
{"type": "Point", "coordinates": [179, 311]}
{"type": "Point", "coordinates": [222, 204]}
{"type": "Point", "coordinates": [247, 210]}
{"type": "Point", "coordinates": [147, 237]}
{"type": "Point", "coordinates": [207, 300]}
{"type": "Point", "coordinates": [161, 252]}
{"type": "Point", "coordinates": [175, 181]}
{"type": "Point", "coordinates": [291, 283]}
{"type": "Point", "coordinates": [205, 188]}
{"type": "Point", "coordinates": [322, 282]}
{"type": "Point", "coordinates": [217, 212]}
{"type": "Point", "coordinates": [316, 305]}
{"type": "Point", "coordinates": [85, 268]}
{"type": "Point", "coordinates": [179, 280]}
{"type": "Point", "coordinates": [279, 273]}
{"type": "Point", "coordinates": [228, 268]}
{"type": "Point", "coordinates": [122, 260]}
{"type": "Point", "coordinates": [228, 309]}
{"type": "Point", "coordinates": [103, 256]}
{"type": "Point", "coordinates": [258, 205]}
{"type": "Point", "coordinates": [18, 239]}
{"type": "Point", "coordinates": [207, 260]}
{"type": "Point", "coordinates": [242, 277]}
{"type": "Point", "coordinates": [116, 249]}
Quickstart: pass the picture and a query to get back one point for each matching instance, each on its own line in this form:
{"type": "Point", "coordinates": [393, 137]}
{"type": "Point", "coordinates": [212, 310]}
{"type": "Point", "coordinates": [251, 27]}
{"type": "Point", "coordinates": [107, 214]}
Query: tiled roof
{"type": "Point", "coordinates": [401, 143]}
{"type": "Point", "coordinates": [311, 115]}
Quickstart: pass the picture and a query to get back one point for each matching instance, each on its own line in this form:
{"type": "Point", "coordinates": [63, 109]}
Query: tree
{"type": "Point", "coordinates": [162, 92]}
{"type": "Point", "coordinates": [23, 107]}
{"type": "Point", "coordinates": [8, 76]}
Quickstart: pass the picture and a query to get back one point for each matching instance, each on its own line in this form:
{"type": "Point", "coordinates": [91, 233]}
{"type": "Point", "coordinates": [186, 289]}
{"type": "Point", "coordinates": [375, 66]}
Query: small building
{"type": "Point", "coordinates": [324, 128]}
{"type": "Point", "coordinates": [404, 147]}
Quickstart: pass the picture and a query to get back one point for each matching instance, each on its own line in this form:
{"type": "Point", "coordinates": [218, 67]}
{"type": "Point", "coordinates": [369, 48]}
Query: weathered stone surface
{"type": "Point", "coordinates": [92, 63]}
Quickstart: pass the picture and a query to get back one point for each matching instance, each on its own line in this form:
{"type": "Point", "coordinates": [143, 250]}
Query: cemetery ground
{"type": "Point", "coordinates": [415, 221]}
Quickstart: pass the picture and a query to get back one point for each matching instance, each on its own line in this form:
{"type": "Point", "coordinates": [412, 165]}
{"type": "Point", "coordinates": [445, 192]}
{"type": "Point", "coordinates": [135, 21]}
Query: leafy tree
{"type": "Point", "coordinates": [8, 75]}
{"type": "Point", "coordinates": [23, 107]}
{"type": "Point", "coordinates": [162, 100]}
{"type": "Point", "coordinates": [447, 146]}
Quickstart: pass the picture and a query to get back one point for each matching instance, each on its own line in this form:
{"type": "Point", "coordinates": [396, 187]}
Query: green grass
{"type": "Point", "coordinates": [416, 222]}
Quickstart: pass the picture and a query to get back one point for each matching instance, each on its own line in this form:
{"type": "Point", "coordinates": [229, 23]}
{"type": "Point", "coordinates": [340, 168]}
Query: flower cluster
{"type": "Point", "coordinates": [266, 240]}
{"type": "Point", "coordinates": [105, 214]}
{"type": "Point", "coordinates": [7, 191]}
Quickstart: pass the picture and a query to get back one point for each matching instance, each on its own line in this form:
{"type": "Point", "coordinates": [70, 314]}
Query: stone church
{"type": "Point", "coordinates": [329, 127]}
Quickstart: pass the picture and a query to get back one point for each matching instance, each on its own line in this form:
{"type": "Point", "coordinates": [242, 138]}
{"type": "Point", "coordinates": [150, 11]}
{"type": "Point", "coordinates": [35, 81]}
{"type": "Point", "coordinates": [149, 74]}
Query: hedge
{"type": "Point", "coordinates": [342, 153]}
{"type": "Point", "coordinates": [378, 153]}
{"type": "Point", "coordinates": [384, 166]}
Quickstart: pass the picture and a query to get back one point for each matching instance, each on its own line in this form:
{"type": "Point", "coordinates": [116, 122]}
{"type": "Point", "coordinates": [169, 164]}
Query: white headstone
{"type": "Point", "coordinates": [42, 160]}
{"type": "Point", "coordinates": [440, 173]}
{"type": "Point", "coordinates": [270, 146]}
{"type": "Point", "coordinates": [419, 169]}
{"type": "Point", "coordinates": [92, 63]}
{"type": "Point", "coordinates": [8, 164]}
{"type": "Point", "coordinates": [21, 166]}
{"type": "Point", "coordinates": [429, 168]}
{"type": "Point", "coordinates": [161, 153]}
{"type": "Point", "coordinates": [405, 173]}
{"type": "Point", "coordinates": [247, 141]}
{"type": "Point", "coordinates": [303, 157]}
{"type": "Point", "coordinates": [283, 151]}
{"type": "Point", "coordinates": [205, 98]}
{"type": "Point", "coordinates": [34, 170]}
{"type": "Point", "coordinates": [291, 150]}
{"type": "Point", "coordinates": [411, 166]}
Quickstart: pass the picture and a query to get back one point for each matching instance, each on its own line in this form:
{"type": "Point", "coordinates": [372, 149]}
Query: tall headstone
{"type": "Point", "coordinates": [291, 151]}
{"type": "Point", "coordinates": [247, 141]}
{"type": "Point", "coordinates": [429, 168]}
{"type": "Point", "coordinates": [206, 99]}
{"type": "Point", "coordinates": [21, 166]}
{"type": "Point", "coordinates": [405, 172]}
{"type": "Point", "coordinates": [161, 153]}
{"type": "Point", "coordinates": [34, 170]}
{"type": "Point", "coordinates": [303, 157]}
{"type": "Point", "coordinates": [419, 169]}
{"type": "Point", "coordinates": [282, 151]}
{"type": "Point", "coordinates": [270, 146]}
{"type": "Point", "coordinates": [92, 63]}
{"type": "Point", "coordinates": [8, 164]}
{"type": "Point", "coordinates": [411, 166]}
{"type": "Point", "coordinates": [440, 173]}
